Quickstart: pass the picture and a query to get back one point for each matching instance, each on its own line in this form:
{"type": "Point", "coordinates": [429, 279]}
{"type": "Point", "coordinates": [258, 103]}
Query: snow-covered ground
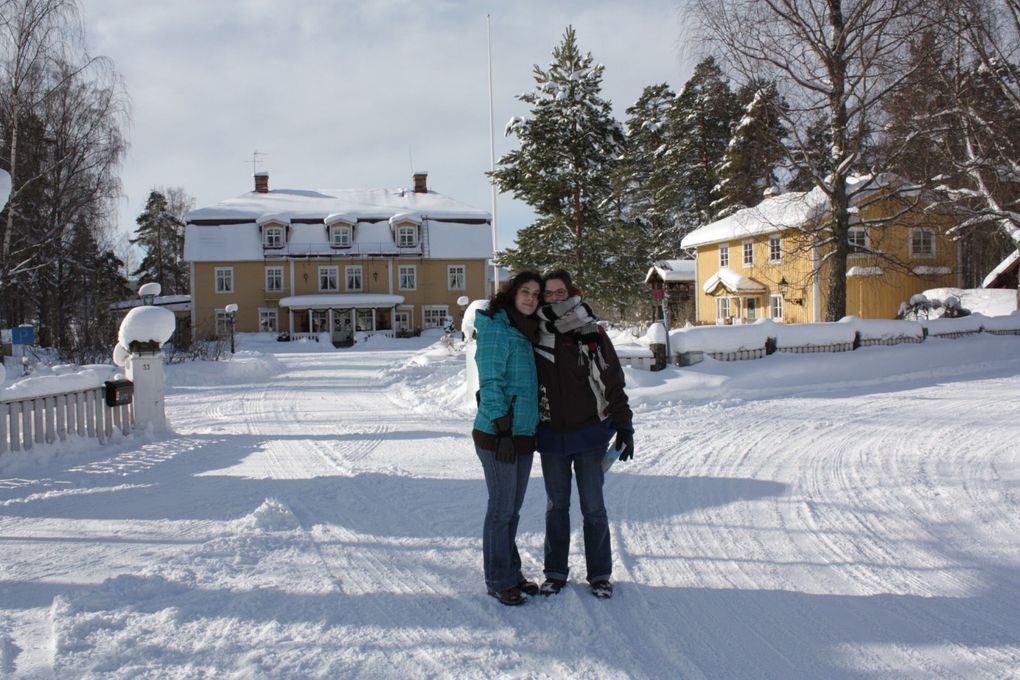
{"type": "Point", "coordinates": [317, 515]}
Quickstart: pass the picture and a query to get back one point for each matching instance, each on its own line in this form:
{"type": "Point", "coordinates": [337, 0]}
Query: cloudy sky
{"type": "Point", "coordinates": [347, 94]}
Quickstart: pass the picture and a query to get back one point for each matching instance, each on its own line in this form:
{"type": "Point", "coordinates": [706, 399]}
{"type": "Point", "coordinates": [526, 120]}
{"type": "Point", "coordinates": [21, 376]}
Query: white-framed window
{"type": "Point", "coordinates": [272, 237]}
{"type": "Point", "coordinates": [224, 279]}
{"type": "Point", "coordinates": [724, 256]}
{"type": "Point", "coordinates": [434, 316]}
{"type": "Point", "coordinates": [748, 247]}
{"type": "Point", "coordinates": [274, 279]}
{"type": "Point", "coordinates": [269, 321]}
{"type": "Point", "coordinates": [751, 305]}
{"type": "Point", "coordinates": [776, 307]}
{"type": "Point", "coordinates": [222, 323]}
{"type": "Point", "coordinates": [407, 277]}
{"type": "Point", "coordinates": [354, 277]}
{"type": "Point", "coordinates": [722, 308]}
{"type": "Point", "coordinates": [456, 276]}
{"type": "Point", "coordinates": [775, 249]}
{"type": "Point", "coordinates": [407, 236]}
{"type": "Point", "coordinates": [329, 278]}
{"type": "Point", "coordinates": [857, 240]}
{"type": "Point", "coordinates": [922, 242]}
{"type": "Point", "coordinates": [364, 320]}
{"type": "Point", "coordinates": [320, 320]}
{"type": "Point", "coordinates": [402, 320]}
{"type": "Point", "coordinates": [340, 236]}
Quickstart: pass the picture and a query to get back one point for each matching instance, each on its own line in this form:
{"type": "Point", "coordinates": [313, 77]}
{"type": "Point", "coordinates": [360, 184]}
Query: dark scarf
{"type": "Point", "coordinates": [574, 318]}
{"type": "Point", "coordinates": [528, 325]}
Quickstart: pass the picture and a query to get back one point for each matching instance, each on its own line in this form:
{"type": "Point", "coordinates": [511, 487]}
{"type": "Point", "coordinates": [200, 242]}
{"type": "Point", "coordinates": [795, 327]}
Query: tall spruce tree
{"type": "Point", "coordinates": [646, 182]}
{"type": "Point", "coordinates": [564, 169]}
{"type": "Point", "coordinates": [161, 235]}
{"type": "Point", "coordinates": [698, 134]}
{"type": "Point", "coordinates": [754, 151]}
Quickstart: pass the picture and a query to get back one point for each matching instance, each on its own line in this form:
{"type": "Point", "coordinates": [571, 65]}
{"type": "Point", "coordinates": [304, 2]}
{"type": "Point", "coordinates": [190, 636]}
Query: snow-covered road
{"type": "Point", "coordinates": [324, 522]}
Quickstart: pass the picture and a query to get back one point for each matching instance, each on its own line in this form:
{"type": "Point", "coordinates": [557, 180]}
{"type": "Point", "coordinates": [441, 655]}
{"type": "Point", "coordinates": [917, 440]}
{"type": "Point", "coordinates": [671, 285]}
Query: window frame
{"type": "Point", "coordinates": [720, 303]}
{"type": "Point", "coordinates": [266, 279]}
{"type": "Point", "coordinates": [413, 271]}
{"type": "Point", "coordinates": [274, 236]}
{"type": "Point", "coordinates": [445, 309]}
{"type": "Point", "coordinates": [724, 256]}
{"type": "Point", "coordinates": [747, 253]}
{"type": "Point", "coordinates": [338, 229]}
{"type": "Point", "coordinates": [750, 309]}
{"type": "Point", "coordinates": [328, 269]}
{"type": "Point", "coordinates": [352, 272]}
{"type": "Point", "coordinates": [274, 314]}
{"type": "Point", "coordinates": [931, 238]}
{"type": "Point", "coordinates": [407, 229]}
{"type": "Point", "coordinates": [853, 248]}
{"type": "Point", "coordinates": [451, 283]}
{"type": "Point", "coordinates": [221, 322]}
{"type": "Point", "coordinates": [776, 302]}
{"type": "Point", "coordinates": [223, 280]}
{"type": "Point", "coordinates": [775, 249]}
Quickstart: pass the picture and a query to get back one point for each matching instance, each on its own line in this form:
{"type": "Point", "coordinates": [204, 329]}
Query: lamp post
{"type": "Point", "coordinates": [231, 311]}
{"type": "Point", "coordinates": [463, 301]}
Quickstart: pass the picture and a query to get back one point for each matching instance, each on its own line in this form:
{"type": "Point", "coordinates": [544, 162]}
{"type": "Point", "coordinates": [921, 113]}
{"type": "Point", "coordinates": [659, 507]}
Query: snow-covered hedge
{"type": "Point", "coordinates": [30, 387]}
{"type": "Point", "coordinates": [962, 324]}
{"type": "Point", "coordinates": [1000, 324]}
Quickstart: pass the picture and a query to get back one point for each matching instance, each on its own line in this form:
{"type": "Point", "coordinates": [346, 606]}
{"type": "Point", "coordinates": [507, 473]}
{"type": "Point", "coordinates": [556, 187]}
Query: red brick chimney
{"type": "Point", "coordinates": [262, 182]}
{"type": "Point", "coordinates": [420, 183]}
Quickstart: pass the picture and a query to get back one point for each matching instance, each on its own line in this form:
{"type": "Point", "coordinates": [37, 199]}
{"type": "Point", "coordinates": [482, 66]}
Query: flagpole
{"type": "Point", "coordinates": [492, 157]}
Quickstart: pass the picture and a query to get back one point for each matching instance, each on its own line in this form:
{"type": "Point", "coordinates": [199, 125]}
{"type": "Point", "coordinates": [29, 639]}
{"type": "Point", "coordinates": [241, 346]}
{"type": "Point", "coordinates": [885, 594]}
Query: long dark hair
{"type": "Point", "coordinates": [504, 299]}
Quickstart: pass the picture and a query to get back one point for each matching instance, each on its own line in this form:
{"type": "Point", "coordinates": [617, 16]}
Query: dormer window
{"type": "Point", "coordinates": [340, 236]}
{"type": "Point", "coordinates": [407, 236]}
{"type": "Point", "coordinates": [272, 237]}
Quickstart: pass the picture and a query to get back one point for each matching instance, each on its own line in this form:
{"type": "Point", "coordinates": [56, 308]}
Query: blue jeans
{"type": "Point", "coordinates": [598, 551]}
{"type": "Point", "coordinates": [507, 483]}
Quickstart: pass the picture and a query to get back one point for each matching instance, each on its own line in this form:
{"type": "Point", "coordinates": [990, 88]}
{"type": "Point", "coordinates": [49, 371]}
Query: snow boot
{"type": "Point", "coordinates": [551, 586]}
{"type": "Point", "coordinates": [602, 589]}
{"type": "Point", "coordinates": [511, 597]}
{"type": "Point", "coordinates": [528, 587]}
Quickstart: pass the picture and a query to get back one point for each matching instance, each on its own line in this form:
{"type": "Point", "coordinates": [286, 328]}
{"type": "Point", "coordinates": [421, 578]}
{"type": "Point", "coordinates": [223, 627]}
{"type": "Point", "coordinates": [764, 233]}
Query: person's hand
{"type": "Point", "coordinates": [624, 444]}
{"type": "Point", "coordinates": [504, 439]}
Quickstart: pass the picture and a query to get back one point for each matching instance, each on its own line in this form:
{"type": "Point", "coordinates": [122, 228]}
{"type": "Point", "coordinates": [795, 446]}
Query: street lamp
{"type": "Point", "coordinates": [231, 311]}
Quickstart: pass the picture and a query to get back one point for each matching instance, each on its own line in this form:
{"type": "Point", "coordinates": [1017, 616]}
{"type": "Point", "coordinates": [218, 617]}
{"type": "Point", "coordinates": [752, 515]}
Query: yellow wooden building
{"type": "Point", "coordinates": [307, 262]}
{"type": "Point", "coordinates": [762, 262]}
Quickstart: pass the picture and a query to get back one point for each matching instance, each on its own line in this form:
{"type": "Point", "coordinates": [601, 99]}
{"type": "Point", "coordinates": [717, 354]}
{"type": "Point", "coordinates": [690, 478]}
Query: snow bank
{"type": "Point", "coordinates": [988, 301]}
{"type": "Point", "coordinates": [721, 338]}
{"type": "Point", "coordinates": [884, 329]}
{"type": "Point", "coordinates": [246, 366]}
{"type": "Point", "coordinates": [813, 334]}
{"type": "Point", "coordinates": [963, 324]}
{"type": "Point", "coordinates": [29, 387]}
{"type": "Point", "coordinates": [1009, 322]}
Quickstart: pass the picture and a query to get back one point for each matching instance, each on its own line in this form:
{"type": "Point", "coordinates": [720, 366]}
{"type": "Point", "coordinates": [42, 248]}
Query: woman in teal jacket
{"type": "Point", "coordinates": [504, 430]}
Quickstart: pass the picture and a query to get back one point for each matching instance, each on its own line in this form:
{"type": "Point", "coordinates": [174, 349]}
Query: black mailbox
{"type": "Point", "coordinates": [119, 392]}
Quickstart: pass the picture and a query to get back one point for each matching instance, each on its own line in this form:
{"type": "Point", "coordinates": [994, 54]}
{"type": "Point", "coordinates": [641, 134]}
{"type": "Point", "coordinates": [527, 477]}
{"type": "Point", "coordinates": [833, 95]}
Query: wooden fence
{"type": "Point", "coordinates": [49, 418]}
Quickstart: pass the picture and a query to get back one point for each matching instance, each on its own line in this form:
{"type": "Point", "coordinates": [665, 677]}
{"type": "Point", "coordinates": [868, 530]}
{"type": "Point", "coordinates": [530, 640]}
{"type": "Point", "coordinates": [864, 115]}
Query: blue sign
{"type": "Point", "coordinates": [23, 335]}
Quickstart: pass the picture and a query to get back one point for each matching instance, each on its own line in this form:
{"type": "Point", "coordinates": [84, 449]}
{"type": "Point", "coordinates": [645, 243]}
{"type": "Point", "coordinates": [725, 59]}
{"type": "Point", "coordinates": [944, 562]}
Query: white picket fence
{"type": "Point", "coordinates": [49, 418]}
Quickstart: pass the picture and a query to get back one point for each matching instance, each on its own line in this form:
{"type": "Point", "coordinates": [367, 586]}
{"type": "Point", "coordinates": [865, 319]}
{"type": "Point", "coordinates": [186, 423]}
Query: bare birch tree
{"type": "Point", "coordinates": [834, 60]}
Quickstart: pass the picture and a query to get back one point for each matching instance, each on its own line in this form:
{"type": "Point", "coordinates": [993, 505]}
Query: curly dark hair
{"type": "Point", "coordinates": [504, 299]}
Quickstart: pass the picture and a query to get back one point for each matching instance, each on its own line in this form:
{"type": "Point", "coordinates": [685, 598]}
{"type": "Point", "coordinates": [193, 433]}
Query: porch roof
{"type": "Point", "coordinates": [341, 301]}
{"type": "Point", "coordinates": [730, 281]}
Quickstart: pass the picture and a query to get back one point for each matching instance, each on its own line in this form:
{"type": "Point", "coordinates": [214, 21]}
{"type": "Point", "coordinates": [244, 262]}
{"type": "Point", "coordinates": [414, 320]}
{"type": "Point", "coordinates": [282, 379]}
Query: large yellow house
{"type": "Point", "coordinates": [308, 262]}
{"type": "Point", "coordinates": [761, 262]}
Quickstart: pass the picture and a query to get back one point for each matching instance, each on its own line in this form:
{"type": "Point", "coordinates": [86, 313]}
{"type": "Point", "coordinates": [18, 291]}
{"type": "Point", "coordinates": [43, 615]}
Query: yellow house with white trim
{"type": "Point", "coordinates": [760, 262]}
{"type": "Point", "coordinates": [355, 260]}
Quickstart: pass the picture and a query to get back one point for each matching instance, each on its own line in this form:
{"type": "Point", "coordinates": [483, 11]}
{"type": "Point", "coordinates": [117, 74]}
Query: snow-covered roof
{"type": "Point", "coordinates": [780, 212]}
{"type": "Point", "coordinates": [732, 282]}
{"type": "Point", "coordinates": [672, 270]}
{"type": "Point", "coordinates": [243, 242]}
{"type": "Point", "coordinates": [405, 217]}
{"type": "Point", "coordinates": [340, 301]}
{"type": "Point", "coordinates": [864, 271]}
{"type": "Point", "coordinates": [294, 204]}
{"type": "Point", "coordinates": [1007, 265]}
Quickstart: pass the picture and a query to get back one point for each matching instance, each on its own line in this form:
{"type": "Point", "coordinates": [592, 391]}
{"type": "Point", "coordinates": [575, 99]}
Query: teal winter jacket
{"type": "Point", "coordinates": [506, 369]}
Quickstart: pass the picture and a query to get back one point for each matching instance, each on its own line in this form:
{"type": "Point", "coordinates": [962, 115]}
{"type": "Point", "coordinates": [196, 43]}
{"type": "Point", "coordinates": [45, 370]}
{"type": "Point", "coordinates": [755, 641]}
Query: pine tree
{"type": "Point", "coordinates": [645, 180]}
{"type": "Point", "coordinates": [161, 235]}
{"type": "Point", "coordinates": [754, 151]}
{"type": "Point", "coordinates": [698, 134]}
{"type": "Point", "coordinates": [564, 170]}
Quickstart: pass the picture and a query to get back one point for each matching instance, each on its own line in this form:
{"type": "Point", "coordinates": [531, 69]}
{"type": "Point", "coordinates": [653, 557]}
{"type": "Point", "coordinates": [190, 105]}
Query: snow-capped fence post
{"type": "Point", "coordinates": [142, 333]}
{"type": "Point", "coordinates": [658, 338]}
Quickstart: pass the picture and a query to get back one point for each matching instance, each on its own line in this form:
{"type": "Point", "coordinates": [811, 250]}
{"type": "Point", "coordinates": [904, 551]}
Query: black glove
{"type": "Point", "coordinates": [624, 444]}
{"type": "Point", "coordinates": [504, 439]}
